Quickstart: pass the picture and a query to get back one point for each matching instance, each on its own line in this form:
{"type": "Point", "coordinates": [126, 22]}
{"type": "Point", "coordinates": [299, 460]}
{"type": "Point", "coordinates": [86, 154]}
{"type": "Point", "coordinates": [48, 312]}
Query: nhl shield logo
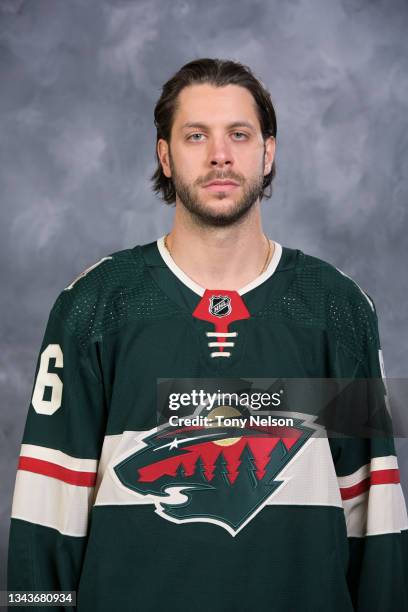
{"type": "Point", "coordinates": [220, 305]}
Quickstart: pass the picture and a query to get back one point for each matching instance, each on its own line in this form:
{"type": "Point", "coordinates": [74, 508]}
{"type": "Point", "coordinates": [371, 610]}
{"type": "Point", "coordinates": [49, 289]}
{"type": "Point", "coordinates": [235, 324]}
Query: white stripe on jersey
{"type": "Point", "coordinates": [59, 458]}
{"type": "Point", "coordinates": [362, 290]}
{"type": "Point", "coordinates": [377, 463]}
{"type": "Point", "coordinates": [309, 479]}
{"type": "Point", "coordinates": [378, 511]}
{"type": "Point", "coordinates": [52, 503]}
{"type": "Point", "coordinates": [381, 508]}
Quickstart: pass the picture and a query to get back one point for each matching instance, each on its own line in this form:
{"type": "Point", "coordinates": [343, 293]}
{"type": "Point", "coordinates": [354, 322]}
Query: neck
{"type": "Point", "coordinates": [220, 257]}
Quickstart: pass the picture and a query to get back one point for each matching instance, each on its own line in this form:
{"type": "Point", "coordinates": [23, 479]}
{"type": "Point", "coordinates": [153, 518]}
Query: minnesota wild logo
{"type": "Point", "coordinates": [217, 474]}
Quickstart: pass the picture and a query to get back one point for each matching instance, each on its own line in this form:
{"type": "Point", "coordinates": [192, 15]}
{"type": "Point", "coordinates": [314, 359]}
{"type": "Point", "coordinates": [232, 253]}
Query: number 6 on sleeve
{"type": "Point", "coordinates": [48, 379]}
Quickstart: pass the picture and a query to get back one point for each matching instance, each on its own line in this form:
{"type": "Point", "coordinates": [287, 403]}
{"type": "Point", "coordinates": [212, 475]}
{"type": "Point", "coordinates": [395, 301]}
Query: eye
{"type": "Point", "coordinates": [192, 137]}
{"type": "Point", "coordinates": [195, 134]}
{"type": "Point", "coordinates": [241, 134]}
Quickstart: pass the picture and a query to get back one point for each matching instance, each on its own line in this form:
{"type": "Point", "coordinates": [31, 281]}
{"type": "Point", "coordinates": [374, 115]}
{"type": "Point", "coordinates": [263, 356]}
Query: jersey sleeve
{"type": "Point", "coordinates": [369, 483]}
{"type": "Point", "coordinates": [57, 466]}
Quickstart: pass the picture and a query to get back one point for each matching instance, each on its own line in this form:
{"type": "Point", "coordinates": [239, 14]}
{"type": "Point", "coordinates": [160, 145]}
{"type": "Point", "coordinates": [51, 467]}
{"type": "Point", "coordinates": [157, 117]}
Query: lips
{"type": "Point", "coordinates": [221, 187]}
{"type": "Point", "coordinates": [226, 183]}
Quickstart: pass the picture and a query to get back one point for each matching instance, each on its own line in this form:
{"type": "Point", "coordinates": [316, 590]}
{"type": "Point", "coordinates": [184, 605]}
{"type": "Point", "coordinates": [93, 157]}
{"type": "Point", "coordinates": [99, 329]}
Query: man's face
{"type": "Point", "coordinates": [216, 135]}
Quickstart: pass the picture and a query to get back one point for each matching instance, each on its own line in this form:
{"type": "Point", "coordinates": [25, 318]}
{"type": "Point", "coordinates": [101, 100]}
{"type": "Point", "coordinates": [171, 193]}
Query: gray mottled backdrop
{"type": "Point", "coordinates": [78, 82]}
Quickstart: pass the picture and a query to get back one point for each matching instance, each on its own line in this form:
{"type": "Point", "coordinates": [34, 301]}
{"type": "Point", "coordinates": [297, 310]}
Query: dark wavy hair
{"type": "Point", "coordinates": [219, 73]}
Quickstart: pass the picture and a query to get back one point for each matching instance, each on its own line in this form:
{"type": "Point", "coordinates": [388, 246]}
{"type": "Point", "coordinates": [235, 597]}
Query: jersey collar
{"type": "Point", "coordinates": [267, 288]}
{"type": "Point", "coordinates": [182, 276]}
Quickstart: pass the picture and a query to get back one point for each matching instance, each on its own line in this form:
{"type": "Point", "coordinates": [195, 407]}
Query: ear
{"type": "Point", "coordinates": [163, 153]}
{"type": "Point", "coordinates": [269, 156]}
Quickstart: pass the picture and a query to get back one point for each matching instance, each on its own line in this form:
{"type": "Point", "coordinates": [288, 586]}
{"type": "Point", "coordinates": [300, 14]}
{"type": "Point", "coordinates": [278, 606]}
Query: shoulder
{"type": "Point", "coordinates": [337, 285]}
{"type": "Point", "coordinates": [107, 272]}
{"type": "Point", "coordinates": [342, 305]}
{"type": "Point", "coordinates": [98, 298]}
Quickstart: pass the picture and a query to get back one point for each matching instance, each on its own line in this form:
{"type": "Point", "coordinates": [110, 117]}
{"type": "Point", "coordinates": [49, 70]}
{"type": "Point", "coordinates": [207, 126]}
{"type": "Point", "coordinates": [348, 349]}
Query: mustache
{"type": "Point", "coordinates": [224, 176]}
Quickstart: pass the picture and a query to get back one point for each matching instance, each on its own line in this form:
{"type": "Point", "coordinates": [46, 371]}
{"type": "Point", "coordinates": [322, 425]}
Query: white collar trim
{"type": "Point", "coordinates": [200, 290]}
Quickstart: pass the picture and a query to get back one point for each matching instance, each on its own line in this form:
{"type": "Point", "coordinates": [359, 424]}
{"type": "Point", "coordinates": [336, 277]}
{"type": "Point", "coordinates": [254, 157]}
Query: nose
{"type": "Point", "coordinates": [220, 163]}
{"type": "Point", "coordinates": [220, 153]}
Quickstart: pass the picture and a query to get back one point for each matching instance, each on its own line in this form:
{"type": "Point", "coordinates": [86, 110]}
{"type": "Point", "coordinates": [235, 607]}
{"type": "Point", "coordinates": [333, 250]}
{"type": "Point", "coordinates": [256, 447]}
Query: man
{"type": "Point", "coordinates": [113, 501]}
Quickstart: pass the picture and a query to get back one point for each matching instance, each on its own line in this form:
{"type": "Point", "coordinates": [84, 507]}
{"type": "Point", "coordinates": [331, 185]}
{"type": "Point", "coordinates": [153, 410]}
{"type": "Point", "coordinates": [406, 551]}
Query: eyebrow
{"type": "Point", "coordinates": [204, 126]}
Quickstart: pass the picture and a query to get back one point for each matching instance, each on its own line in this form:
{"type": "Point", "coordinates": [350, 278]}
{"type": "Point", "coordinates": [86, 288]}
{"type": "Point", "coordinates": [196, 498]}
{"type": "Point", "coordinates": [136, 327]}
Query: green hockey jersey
{"type": "Point", "coordinates": [132, 517]}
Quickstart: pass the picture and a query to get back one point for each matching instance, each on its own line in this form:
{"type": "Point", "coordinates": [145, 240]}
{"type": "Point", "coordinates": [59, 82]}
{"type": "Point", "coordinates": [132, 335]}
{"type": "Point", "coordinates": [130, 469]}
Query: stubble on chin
{"type": "Point", "coordinates": [206, 214]}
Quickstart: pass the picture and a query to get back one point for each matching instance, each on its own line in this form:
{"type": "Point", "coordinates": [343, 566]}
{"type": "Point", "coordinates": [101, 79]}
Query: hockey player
{"type": "Point", "coordinates": [132, 514]}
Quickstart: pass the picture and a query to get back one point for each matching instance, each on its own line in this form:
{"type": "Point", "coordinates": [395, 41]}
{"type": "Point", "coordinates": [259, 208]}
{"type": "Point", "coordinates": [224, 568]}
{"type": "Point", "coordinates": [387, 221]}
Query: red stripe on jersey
{"type": "Point", "coordinates": [385, 477]}
{"type": "Point", "coordinates": [377, 477]}
{"type": "Point", "coordinates": [47, 468]}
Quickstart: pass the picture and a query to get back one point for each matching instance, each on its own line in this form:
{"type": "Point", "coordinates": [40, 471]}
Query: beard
{"type": "Point", "coordinates": [206, 215]}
